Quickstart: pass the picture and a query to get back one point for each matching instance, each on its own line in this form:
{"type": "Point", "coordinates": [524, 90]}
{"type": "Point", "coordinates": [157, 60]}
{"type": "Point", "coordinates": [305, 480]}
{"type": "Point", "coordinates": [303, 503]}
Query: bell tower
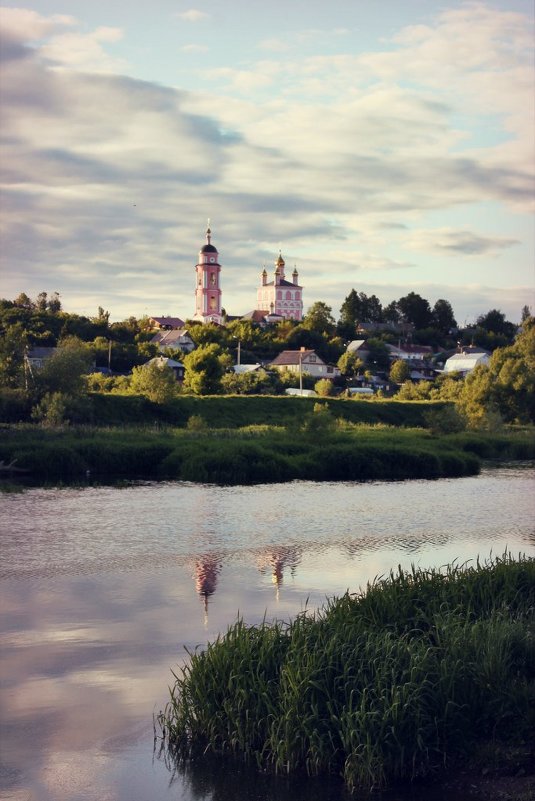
{"type": "Point", "coordinates": [207, 289]}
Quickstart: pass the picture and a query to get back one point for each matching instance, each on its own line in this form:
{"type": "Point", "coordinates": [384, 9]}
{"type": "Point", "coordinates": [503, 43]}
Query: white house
{"type": "Point", "coordinates": [465, 362]}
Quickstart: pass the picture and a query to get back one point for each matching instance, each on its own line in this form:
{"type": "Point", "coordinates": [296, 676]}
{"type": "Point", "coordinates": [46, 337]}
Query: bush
{"type": "Point", "coordinates": [389, 684]}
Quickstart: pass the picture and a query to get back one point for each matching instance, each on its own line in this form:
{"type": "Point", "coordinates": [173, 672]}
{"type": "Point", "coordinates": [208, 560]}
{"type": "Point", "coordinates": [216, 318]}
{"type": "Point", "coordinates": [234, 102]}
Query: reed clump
{"type": "Point", "coordinates": [385, 685]}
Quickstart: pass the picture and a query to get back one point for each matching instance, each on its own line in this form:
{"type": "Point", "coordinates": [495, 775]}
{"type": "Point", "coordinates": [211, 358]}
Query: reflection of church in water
{"type": "Point", "coordinates": [207, 570]}
{"type": "Point", "coordinates": [273, 560]}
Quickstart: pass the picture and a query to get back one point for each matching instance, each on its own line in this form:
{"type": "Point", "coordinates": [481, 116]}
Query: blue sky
{"type": "Point", "coordinates": [386, 147]}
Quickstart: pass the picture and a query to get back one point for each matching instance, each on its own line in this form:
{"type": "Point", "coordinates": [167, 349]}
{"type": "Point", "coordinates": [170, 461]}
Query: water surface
{"type": "Point", "coordinates": [102, 590]}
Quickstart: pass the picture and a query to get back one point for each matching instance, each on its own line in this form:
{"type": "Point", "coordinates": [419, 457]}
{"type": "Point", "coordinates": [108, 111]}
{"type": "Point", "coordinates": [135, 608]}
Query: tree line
{"type": "Point", "coordinates": [87, 345]}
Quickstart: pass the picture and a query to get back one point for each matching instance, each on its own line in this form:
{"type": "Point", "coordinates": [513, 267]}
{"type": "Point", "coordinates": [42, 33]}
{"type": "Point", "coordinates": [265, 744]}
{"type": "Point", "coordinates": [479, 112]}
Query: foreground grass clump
{"type": "Point", "coordinates": [386, 685]}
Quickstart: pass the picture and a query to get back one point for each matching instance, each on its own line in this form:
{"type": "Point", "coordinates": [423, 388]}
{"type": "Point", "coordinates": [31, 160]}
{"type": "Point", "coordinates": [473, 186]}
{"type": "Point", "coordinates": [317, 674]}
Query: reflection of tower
{"type": "Point", "coordinates": [207, 569]}
{"type": "Point", "coordinates": [207, 289]}
{"type": "Point", "coordinates": [276, 558]}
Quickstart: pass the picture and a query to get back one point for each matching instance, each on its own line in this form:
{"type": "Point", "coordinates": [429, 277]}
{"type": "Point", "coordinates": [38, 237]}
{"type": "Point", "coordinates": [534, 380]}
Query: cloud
{"type": "Point", "coordinates": [454, 242]}
{"type": "Point", "coordinates": [194, 48]}
{"type": "Point", "coordinates": [344, 159]}
{"type": "Point", "coordinates": [193, 15]}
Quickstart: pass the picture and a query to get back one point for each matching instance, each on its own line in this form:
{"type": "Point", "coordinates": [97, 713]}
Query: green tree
{"type": "Point", "coordinates": [64, 372]}
{"type": "Point", "coordinates": [443, 317]}
{"type": "Point", "coordinates": [319, 318]}
{"type": "Point", "coordinates": [495, 322]}
{"type": "Point", "coordinates": [12, 346]}
{"type": "Point", "coordinates": [399, 372]}
{"type": "Point", "coordinates": [415, 310]}
{"type": "Point", "coordinates": [156, 382]}
{"type": "Point", "coordinates": [350, 364]}
{"type": "Point", "coordinates": [205, 367]}
{"type": "Point", "coordinates": [378, 354]}
{"type": "Point", "coordinates": [253, 383]}
{"type": "Point", "coordinates": [324, 387]}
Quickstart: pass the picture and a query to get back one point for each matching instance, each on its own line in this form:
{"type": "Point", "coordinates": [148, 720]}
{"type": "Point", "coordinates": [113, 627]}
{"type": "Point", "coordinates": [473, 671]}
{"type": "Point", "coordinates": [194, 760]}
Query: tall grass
{"type": "Point", "coordinates": [320, 448]}
{"type": "Point", "coordinates": [387, 684]}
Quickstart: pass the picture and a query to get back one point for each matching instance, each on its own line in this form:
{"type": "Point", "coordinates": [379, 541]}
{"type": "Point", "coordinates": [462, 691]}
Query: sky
{"type": "Point", "coordinates": [381, 146]}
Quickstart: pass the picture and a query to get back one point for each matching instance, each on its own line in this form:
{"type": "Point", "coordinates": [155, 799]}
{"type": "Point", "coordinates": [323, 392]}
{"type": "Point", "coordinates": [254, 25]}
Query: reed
{"type": "Point", "coordinates": [388, 684]}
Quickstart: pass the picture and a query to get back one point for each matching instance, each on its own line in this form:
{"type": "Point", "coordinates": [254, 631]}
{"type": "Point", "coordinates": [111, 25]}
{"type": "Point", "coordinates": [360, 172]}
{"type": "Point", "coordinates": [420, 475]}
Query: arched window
{"type": "Point", "coordinates": [288, 295]}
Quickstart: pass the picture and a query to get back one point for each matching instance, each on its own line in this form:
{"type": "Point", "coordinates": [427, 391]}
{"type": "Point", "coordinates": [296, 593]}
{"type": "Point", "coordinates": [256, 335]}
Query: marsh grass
{"type": "Point", "coordinates": [388, 684]}
{"type": "Point", "coordinates": [319, 448]}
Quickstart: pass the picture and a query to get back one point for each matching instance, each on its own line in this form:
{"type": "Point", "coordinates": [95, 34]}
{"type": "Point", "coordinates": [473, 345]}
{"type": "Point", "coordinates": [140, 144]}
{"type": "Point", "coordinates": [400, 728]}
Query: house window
{"type": "Point", "coordinates": [312, 359]}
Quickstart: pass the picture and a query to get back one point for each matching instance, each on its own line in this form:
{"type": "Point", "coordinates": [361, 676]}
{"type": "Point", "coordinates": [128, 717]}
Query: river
{"type": "Point", "coordinates": [104, 588]}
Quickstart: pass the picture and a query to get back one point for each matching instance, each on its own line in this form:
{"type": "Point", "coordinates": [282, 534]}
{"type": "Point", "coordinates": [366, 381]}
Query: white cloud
{"type": "Point", "coordinates": [27, 25]}
{"type": "Point", "coordinates": [194, 48]}
{"type": "Point", "coordinates": [193, 15]}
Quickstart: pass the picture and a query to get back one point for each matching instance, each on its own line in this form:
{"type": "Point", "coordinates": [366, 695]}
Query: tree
{"type": "Point", "coordinates": [399, 372]}
{"type": "Point", "coordinates": [443, 317]}
{"type": "Point", "coordinates": [358, 308]}
{"type": "Point", "coordinates": [324, 387]}
{"type": "Point", "coordinates": [495, 322]}
{"type": "Point", "coordinates": [319, 318]}
{"type": "Point", "coordinates": [54, 304]}
{"type": "Point", "coordinates": [391, 313]}
{"type": "Point", "coordinates": [12, 346]}
{"type": "Point", "coordinates": [205, 366]}
{"type": "Point", "coordinates": [257, 382]}
{"type": "Point", "coordinates": [64, 372]}
{"type": "Point", "coordinates": [378, 355]}
{"type": "Point", "coordinates": [156, 382]}
{"type": "Point", "coordinates": [350, 364]}
{"type": "Point", "coordinates": [415, 310]}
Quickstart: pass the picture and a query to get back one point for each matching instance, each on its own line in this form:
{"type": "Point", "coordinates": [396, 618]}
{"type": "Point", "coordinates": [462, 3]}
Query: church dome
{"type": "Point", "coordinates": [280, 261]}
{"type": "Point", "coordinates": [208, 249]}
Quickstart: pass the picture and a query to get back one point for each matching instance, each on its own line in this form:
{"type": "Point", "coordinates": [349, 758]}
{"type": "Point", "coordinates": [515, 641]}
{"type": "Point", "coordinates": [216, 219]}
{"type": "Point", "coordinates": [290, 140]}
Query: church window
{"type": "Point", "coordinates": [212, 303]}
{"type": "Point", "coordinates": [212, 279]}
{"type": "Point", "coordinates": [288, 296]}
{"type": "Point", "coordinates": [279, 295]}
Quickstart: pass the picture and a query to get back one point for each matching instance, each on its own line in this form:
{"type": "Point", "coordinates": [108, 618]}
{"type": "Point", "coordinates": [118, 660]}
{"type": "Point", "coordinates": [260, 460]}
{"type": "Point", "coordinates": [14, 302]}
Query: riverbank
{"type": "Point", "coordinates": [320, 449]}
{"type": "Point", "coordinates": [423, 670]}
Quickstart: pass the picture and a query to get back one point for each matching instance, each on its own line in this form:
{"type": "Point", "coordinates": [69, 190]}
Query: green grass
{"type": "Point", "coordinates": [320, 449]}
{"type": "Point", "coordinates": [388, 684]}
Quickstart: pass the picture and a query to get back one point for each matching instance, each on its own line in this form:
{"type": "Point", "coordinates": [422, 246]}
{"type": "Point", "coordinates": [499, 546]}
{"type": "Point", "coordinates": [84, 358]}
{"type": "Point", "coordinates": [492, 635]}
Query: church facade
{"type": "Point", "coordinates": [279, 298]}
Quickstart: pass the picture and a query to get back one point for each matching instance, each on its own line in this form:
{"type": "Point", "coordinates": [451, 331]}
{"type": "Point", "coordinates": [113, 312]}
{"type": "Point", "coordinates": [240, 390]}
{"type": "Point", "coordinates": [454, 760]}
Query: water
{"type": "Point", "coordinates": [103, 589]}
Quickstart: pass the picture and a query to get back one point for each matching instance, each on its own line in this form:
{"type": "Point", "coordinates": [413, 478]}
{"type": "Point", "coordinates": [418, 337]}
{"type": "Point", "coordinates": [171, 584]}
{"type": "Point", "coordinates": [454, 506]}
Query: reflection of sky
{"type": "Point", "coordinates": [93, 617]}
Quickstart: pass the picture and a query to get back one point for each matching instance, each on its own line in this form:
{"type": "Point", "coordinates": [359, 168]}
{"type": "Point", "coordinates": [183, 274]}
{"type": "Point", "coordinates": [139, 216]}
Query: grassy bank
{"type": "Point", "coordinates": [321, 449]}
{"type": "Point", "coordinates": [390, 684]}
{"type": "Point", "coordinates": [222, 411]}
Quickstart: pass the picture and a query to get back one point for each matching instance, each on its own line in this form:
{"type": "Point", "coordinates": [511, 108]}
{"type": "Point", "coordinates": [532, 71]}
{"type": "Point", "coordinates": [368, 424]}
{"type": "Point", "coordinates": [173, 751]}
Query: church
{"type": "Point", "coordinates": [275, 300]}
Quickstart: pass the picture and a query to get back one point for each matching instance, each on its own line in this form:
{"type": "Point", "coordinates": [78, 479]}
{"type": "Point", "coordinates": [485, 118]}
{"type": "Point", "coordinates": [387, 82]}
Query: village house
{"type": "Point", "coordinates": [409, 353]}
{"type": "Point", "coordinates": [464, 363]}
{"type": "Point", "coordinates": [161, 362]}
{"type": "Point", "coordinates": [304, 361]}
{"type": "Point", "coordinates": [177, 338]}
{"type": "Point", "coordinates": [166, 323]}
{"type": "Point", "coordinates": [36, 357]}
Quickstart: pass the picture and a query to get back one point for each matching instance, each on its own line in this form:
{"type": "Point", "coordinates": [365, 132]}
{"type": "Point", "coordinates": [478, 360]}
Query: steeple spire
{"type": "Point", "coordinates": [208, 232]}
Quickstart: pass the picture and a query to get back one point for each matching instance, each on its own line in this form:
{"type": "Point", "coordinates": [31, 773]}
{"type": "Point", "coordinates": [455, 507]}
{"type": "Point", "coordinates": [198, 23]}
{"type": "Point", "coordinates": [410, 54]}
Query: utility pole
{"type": "Point", "coordinates": [300, 372]}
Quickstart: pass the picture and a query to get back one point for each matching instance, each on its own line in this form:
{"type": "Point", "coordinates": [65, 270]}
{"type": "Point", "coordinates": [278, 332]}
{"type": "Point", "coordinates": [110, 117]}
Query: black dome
{"type": "Point", "coordinates": [208, 249]}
